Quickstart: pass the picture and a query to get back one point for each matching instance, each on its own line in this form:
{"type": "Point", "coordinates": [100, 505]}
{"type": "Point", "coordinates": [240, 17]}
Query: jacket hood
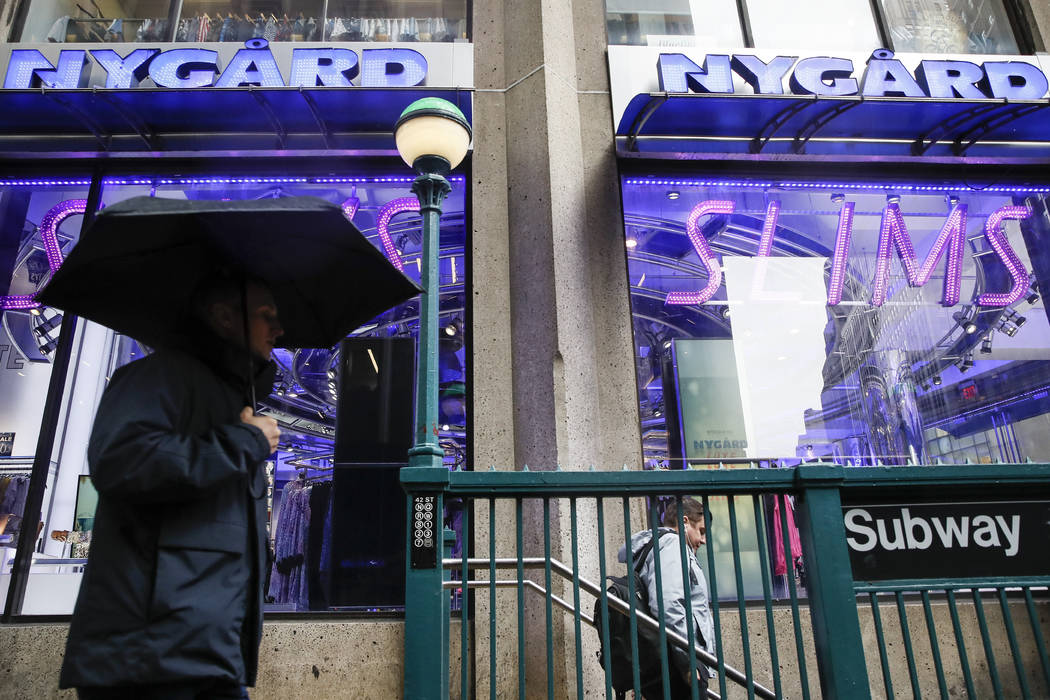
{"type": "Point", "coordinates": [639, 540]}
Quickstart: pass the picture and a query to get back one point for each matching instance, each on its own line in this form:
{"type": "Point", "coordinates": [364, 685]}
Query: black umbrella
{"type": "Point", "coordinates": [137, 265]}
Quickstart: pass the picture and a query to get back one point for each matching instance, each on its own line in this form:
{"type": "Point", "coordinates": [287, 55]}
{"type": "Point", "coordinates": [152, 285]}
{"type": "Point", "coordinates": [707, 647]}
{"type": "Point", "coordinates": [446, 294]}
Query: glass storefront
{"type": "Point", "coordinates": [326, 505]}
{"type": "Point", "coordinates": [201, 21]}
{"type": "Point", "coordinates": [864, 324]}
{"type": "Point", "coordinates": [919, 26]}
{"type": "Point", "coordinates": [777, 323]}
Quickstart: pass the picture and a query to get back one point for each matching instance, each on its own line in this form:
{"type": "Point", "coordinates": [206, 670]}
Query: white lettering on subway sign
{"type": "Point", "coordinates": [866, 532]}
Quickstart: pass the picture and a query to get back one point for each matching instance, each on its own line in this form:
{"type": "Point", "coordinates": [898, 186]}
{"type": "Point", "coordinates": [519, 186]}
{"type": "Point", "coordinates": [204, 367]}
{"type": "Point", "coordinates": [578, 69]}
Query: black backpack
{"type": "Point", "coordinates": [648, 640]}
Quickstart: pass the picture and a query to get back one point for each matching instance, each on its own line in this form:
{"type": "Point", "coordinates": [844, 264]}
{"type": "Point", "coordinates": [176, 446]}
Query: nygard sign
{"type": "Point", "coordinates": [918, 540]}
{"type": "Point", "coordinates": [883, 76]}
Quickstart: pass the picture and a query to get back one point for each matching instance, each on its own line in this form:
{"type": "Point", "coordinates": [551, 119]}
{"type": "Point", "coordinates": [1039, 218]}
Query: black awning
{"type": "Point", "coordinates": [814, 125]}
{"type": "Point", "coordinates": [208, 119]}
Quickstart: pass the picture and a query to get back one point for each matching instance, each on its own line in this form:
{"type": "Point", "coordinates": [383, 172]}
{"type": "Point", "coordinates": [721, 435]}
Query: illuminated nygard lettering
{"type": "Point", "coordinates": [893, 236]}
{"type": "Point", "coordinates": [192, 67]}
{"type": "Point", "coordinates": [882, 76]}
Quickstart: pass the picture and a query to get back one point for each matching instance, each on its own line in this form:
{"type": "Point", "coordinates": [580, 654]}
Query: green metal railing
{"type": "Point", "coordinates": [547, 537]}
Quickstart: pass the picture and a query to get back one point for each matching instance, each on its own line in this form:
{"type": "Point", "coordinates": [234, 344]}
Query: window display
{"type": "Point", "coordinates": [860, 323]}
{"type": "Point", "coordinates": [949, 26]}
{"type": "Point", "coordinates": [307, 486]}
{"type": "Point", "coordinates": [202, 21]}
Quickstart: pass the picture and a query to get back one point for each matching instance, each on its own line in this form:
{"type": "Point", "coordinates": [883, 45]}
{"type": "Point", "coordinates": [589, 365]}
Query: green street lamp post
{"type": "Point", "coordinates": [433, 137]}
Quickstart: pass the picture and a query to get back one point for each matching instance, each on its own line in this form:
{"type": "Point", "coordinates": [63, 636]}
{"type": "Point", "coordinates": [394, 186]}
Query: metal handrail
{"type": "Point", "coordinates": [590, 587]}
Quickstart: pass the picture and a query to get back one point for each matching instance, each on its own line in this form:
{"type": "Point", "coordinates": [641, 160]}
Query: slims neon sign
{"type": "Point", "coordinates": [196, 68]}
{"type": "Point", "coordinates": [893, 237]}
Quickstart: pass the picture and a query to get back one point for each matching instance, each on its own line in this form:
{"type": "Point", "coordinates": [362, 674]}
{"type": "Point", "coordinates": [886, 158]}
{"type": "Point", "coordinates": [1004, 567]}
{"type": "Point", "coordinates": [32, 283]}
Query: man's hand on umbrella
{"type": "Point", "coordinates": [267, 425]}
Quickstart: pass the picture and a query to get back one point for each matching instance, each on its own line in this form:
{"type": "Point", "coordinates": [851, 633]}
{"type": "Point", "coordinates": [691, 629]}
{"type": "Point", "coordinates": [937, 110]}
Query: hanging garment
{"type": "Point", "coordinates": [203, 28]}
{"type": "Point", "coordinates": [780, 565]}
{"type": "Point", "coordinates": [57, 33]}
{"type": "Point", "coordinates": [270, 30]}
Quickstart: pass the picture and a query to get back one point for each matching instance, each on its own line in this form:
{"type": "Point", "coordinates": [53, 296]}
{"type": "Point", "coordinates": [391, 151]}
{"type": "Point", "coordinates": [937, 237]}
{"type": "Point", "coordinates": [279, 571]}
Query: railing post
{"type": "Point", "coordinates": [832, 601]}
{"type": "Point", "coordinates": [426, 600]}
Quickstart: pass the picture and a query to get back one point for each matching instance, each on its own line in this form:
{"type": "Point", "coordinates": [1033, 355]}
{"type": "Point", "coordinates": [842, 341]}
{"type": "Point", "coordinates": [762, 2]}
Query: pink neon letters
{"type": "Point", "coordinates": [386, 213]}
{"type": "Point", "coordinates": [49, 235]}
{"type": "Point", "coordinates": [838, 259]}
{"type": "Point", "coordinates": [696, 236]}
{"type": "Point", "coordinates": [993, 232]}
{"type": "Point", "coordinates": [893, 232]}
{"type": "Point", "coordinates": [893, 236]}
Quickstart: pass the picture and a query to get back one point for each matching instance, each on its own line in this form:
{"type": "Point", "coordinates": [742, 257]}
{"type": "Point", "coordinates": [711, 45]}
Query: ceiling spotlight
{"type": "Point", "coordinates": [925, 386]}
{"type": "Point", "coordinates": [280, 391]}
{"type": "Point", "coordinates": [962, 318]}
{"type": "Point", "coordinates": [937, 380]}
{"type": "Point", "coordinates": [632, 243]}
{"type": "Point", "coordinates": [952, 200]}
{"type": "Point", "coordinates": [893, 199]}
{"type": "Point", "coordinates": [986, 344]}
{"type": "Point", "coordinates": [966, 362]}
{"type": "Point", "coordinates": [673, 194]}
{"type": "Point", "coordinates": [1032, 298]}
{"type": "Point", "coordinates": [445, 427]}
{"type": "Point", "coordinates": [35, 311]}
{"type": "Point", "coordinates": [292, 394]}
{"type": "Point", "coordinates": [450, 329]}
{"type": "Point", "coordinates": [1008, 328]}
{"type": "Point", "coordinates": [331, 374]}
{"type": "Point", "coordinates": [48, 347]}
{"type": "Point", "coordinates": [1018, 320]}
{"type": "Point", "coordinates": [725, 312]}
{"type": "Point", "coordinates": [838, 197]}
{"type": "Point", "coordinates": [49, 324]}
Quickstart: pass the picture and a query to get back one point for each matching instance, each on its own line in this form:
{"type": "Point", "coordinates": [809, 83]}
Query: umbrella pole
{"type": "Point", "coordinates": [248, 343]}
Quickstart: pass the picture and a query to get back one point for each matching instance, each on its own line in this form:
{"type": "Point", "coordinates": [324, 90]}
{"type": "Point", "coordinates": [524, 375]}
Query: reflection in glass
{"type": "Point", "coordinates": [911, 381]}
{"type": "Point", "coordinates": [673, 23]}
{"type": "Point", "coordinates": [305, 399]}
{"type": "Point", "coordinates": [830, 25]}
{"type": "Point", "coordinates": [131, 21]}
{"type": "Point", "coordinates": [949, 26]}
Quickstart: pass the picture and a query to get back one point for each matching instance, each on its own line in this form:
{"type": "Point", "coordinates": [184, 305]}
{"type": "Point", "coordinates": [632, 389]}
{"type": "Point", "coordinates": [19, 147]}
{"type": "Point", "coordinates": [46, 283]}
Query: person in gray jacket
{"type": "Point", "coordinates": [170, 606]}
{"type": "Point", "coordinates": [674, 594]}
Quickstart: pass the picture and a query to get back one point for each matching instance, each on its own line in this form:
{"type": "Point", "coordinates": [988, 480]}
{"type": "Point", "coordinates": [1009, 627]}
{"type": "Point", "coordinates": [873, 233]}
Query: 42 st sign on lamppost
{"type": "Point", "coordinates": [948, 540]}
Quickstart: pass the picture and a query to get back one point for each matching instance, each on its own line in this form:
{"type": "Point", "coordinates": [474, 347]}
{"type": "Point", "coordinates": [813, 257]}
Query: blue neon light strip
{"type": "Point", "coordinates": [406, 180]}
{"type": "Point", "coordinates": [896, 187]}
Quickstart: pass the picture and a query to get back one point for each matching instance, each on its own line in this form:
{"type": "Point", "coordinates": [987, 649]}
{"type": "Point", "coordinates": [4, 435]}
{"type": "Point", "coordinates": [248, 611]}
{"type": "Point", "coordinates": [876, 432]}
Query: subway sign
{"type": "Point", "coordinates": [195, 67]}
{"type": "Point", "coordinates": [882, 76]}
{"type": "Point", "coordinates": [948, 540]}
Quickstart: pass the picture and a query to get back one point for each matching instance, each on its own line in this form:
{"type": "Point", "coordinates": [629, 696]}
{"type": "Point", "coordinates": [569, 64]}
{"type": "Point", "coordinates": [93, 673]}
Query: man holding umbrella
{"type": "Point", "coordinates": [170, 606]}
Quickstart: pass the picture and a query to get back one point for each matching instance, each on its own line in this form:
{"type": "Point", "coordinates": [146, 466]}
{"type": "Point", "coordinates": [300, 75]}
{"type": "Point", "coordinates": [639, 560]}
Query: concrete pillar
{"type": "Point", "coordinates": [553, 371]}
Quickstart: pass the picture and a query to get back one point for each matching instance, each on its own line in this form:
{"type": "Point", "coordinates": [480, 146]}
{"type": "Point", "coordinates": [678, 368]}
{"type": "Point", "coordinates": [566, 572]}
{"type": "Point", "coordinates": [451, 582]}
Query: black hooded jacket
{"type": "Point", "coordinates": [173, 589]}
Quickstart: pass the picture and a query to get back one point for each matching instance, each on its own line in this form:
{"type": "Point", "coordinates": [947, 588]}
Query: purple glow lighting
{"type": "Point", "coordinates": [894, 234]}
{"type": "Point", "coordinates": [769, 227]}
{"type": "Point", "coordinates": [993, 232]}
{"type": "Point", "coordinates": [838, 259]}
{"type": "Point", "coordinates": [350, 205]}
{"type": "Point", "coordinates": [696, 237]}
{"type": "Point", "coordinates": [49, 235]}
{"type": "Point", "coordinates": [388, 212]}
{"type": "Point", "coordinates": [787, 185]}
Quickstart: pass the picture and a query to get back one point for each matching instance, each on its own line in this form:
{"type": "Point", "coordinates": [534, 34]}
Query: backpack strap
{"type": "Point", "coordinates": [643, 553]}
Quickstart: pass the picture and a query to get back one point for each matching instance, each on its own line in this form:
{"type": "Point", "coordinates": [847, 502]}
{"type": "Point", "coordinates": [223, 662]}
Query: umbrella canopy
{"type": "Point", "coordinates": [139, 262]}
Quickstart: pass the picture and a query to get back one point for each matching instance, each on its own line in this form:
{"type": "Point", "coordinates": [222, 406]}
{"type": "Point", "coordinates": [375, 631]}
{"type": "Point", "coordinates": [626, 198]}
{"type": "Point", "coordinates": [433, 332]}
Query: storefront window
{"type": "Point", "coordinates": [794, 322]}
{"type": "Point", "coordinates": [913, 26]}
{"type": "Point", "coordinates": [949, 26]}
{"type": "Point", "coordinates": [673, 23]}
{"type": "Point", "coordinates": [337, 518]}
{"type": "Point", "coordinates": [841, 25]}
{"type": "Point", "coordinates": [88, 22]}
{"type": "Point", "coordinates": [39, 224]}
{"type": "Point", "coordinates": [777, 323]}
{"type": "Point", "coordinates": [202, 21]}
